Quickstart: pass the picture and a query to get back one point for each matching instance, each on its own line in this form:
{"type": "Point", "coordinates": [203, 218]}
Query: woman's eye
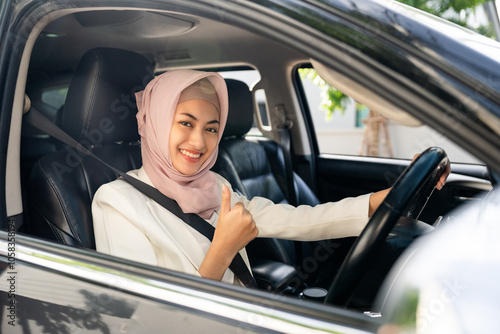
{"type": "Point", "coordinates": [212, 130]}
{"type": "Point", "coordinates": [185, 123]}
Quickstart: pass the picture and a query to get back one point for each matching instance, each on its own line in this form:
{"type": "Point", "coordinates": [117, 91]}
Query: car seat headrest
{"type": "Point", "coordinates": [100, 106]}
{"type": "Point", "coordinates": [240, 118]}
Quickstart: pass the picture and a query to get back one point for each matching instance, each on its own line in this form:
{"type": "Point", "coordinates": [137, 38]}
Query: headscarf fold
{"type": "Point", "coordinates": [196, 193]}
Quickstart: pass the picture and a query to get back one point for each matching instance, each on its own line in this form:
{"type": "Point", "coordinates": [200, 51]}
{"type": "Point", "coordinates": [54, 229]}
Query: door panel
{"type": "Point", "coordinates": [346, 176]}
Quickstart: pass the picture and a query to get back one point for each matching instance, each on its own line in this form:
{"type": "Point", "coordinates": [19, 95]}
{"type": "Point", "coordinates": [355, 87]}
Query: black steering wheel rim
{"type": "Point", "coordinates": [407, 197]}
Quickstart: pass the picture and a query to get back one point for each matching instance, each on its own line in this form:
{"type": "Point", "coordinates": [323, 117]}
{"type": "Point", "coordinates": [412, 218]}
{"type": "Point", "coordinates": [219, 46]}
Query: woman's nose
{"type": "Point", "coordinates": [196, 139]}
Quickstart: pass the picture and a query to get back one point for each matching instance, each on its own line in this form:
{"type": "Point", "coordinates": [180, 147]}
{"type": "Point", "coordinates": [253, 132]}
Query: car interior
{"type": "Point", "coordinates": [86, 66]}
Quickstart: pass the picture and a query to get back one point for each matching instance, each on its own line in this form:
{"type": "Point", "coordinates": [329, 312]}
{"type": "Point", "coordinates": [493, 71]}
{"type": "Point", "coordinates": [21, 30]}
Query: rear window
{"type": "Point", "coordinates": [55, 97]}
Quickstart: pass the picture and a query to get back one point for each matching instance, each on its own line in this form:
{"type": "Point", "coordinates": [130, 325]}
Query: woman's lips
{"type": "Point", "coordinates": [190, 156]}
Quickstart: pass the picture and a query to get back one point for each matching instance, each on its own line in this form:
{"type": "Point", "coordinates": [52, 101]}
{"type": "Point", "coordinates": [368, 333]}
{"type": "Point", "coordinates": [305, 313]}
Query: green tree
{"type": "Point", "coordinates": [331, 98]}
{"type": "Point", "coordinates": [457, 11]}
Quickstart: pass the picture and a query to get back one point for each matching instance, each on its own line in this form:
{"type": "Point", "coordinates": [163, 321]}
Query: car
{"type": "Point", "coordinates": [433, 85]}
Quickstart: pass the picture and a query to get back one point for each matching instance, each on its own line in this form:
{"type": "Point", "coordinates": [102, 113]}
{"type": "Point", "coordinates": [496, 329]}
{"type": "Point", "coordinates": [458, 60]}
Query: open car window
{"type": "Point", "coordinates": [345, 126]}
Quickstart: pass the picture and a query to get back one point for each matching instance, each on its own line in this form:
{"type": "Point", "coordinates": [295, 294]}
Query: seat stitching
{"type": "Point", "coordinates": [92, 97]}
{"type": "Point", "coordinates": [59, 197]}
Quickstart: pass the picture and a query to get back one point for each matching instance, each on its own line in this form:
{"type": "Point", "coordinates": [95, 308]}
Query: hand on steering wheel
{"type": "Point", "coordinates": [407, 198]}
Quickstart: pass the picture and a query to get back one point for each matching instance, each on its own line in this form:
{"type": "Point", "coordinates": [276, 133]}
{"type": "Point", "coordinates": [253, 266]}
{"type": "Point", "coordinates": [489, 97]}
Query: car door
{"type": "Point", "coordinates": [358, 151]}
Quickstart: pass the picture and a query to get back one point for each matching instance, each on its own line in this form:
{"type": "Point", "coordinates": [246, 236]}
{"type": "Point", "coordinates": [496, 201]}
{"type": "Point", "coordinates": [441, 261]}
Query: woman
{"type": "Point", "coordinates": [181, 118]}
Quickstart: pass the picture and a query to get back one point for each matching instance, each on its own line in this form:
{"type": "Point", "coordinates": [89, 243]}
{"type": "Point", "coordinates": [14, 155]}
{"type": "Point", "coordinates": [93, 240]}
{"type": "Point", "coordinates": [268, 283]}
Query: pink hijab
{"type": "Point", "coordinates": [196, 193]}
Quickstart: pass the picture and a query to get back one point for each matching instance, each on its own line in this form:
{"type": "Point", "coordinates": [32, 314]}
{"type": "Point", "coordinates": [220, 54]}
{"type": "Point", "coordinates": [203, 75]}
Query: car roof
{"type": "Point", "coordinates": [168, 40]}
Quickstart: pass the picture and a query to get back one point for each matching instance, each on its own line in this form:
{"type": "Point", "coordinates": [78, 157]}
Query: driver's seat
{"type": "Point", "coordinates": [100, 114]}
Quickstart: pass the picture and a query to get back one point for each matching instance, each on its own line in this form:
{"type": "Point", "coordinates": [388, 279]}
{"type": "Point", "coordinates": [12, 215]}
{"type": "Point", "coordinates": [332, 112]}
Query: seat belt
{"type": "Point", "coordinates": [237, 266]}
{"type": "Point", "coordinates": [285, 143]}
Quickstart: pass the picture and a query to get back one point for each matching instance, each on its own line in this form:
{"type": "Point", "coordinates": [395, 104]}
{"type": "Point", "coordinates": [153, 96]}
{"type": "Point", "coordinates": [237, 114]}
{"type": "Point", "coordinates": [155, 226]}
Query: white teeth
{"type": "Point", "coordinates": [191, 155]}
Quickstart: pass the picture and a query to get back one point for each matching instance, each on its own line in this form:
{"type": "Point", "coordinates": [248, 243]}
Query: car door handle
{"type": "Point", "coordinates": [465, 198]}
{"type": "Point", "coordinates": [462, 195]}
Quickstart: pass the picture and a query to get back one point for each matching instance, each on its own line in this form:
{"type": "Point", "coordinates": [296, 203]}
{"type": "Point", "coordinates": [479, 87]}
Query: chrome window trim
{"type": "Point", "coordinates": [230, 310]}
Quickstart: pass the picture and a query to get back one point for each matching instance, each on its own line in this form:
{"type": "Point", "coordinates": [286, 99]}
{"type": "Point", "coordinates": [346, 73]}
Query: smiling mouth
{"type": "Point", "coordinates": [191, 155]}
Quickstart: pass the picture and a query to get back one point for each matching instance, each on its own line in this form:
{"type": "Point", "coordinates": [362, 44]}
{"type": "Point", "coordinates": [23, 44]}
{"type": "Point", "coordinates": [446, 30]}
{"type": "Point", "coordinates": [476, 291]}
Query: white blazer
{"type": "Point", "coordinates": [130, 225]}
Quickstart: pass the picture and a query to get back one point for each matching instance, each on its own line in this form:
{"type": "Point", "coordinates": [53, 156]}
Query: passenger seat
{"type": "Point", "coordinates": [255, 167]}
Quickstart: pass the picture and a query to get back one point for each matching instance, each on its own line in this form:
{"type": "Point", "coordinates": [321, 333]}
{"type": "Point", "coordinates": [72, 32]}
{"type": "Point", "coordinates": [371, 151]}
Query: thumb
{"type": "Point", "coordinates": [225, 205]}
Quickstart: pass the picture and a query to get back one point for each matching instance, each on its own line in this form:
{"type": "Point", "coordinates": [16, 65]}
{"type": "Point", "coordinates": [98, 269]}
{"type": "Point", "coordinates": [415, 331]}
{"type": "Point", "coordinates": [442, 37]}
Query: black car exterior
{"type": "Point", "coordinates": [441, 75]}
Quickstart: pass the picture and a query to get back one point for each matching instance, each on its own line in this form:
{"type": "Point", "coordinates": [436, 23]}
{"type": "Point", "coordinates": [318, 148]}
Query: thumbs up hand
{"type": "Point", "coordinates": [235, 227]}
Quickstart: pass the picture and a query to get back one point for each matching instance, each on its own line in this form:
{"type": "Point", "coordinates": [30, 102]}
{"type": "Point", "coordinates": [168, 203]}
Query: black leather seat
{"type": "Point", "coordinates": [99, 113]}
{"type": "Point", "coordinates": [256, 168]}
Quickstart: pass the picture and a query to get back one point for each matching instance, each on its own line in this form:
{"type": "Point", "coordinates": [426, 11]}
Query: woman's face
{"type": "Point", "coordinates": [194, 135]}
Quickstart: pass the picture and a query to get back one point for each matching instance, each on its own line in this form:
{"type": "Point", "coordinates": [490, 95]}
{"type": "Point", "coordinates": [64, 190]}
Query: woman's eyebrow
{"type": "Point", "coordinates": [194, 118]}
{"type": "Point", "coordinates": [189, 115]}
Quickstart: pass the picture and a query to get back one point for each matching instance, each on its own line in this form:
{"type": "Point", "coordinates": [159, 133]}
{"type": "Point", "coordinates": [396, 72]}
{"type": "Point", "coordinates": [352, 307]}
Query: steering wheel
{"type": "Point", "coordinates": [407, 198]}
